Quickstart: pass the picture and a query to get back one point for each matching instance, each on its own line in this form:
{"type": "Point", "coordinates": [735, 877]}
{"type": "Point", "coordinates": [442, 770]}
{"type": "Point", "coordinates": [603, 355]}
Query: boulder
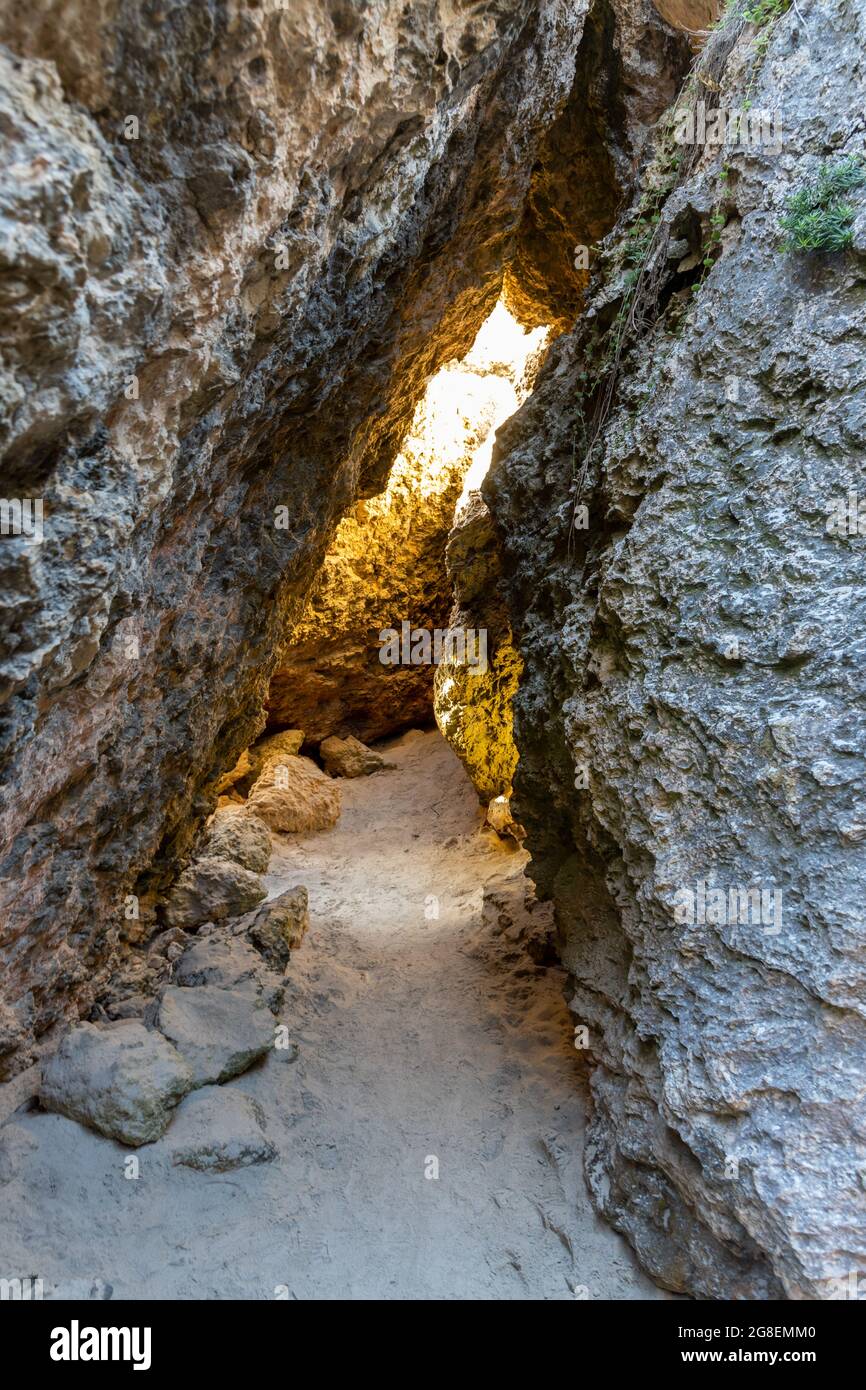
{"type": "Point", "coordinates": [238, 835]}
{"type": "Point", "coordinates": [279, 926]}
{"type": "Point", "coordinates": [209, 890]}
{"type": "Point", "coordinates": [121, 1079]}
{"type": "Point", "coordinates": [349, 757]}
{"type": "Point", "coordinates": [285, 744]}
{"type": "Point", "coordinates": [228, 963]}
{"type": "Point", "coordinates": [294, 795]}
{"type": "Point", "coordinates": [219, 1032]}
{"type": "Point", "coordinates": [218, 1129]}
{"type": "Point", "coordinates": [250, 765]}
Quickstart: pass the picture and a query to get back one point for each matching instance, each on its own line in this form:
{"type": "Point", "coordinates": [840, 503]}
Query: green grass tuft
{"type": "Point", "coordinates": [817, 217]}
{"type": "Point", "coordinates": [763, 12]}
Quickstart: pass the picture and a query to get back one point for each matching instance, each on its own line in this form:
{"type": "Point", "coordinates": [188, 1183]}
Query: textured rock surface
{"type": "Point", "coordinates": [228, 962]}
{"type": "Point", "coordinates": [210, 890]}
{"type": "Point", "coordinates": [473, 704]}
{"type": "Point", "coordinates": [219, 1129]}
{"type": "Point", "coordinates": [271, 749]}
{"type": "Point", "coordinates": [692, 711]}
{"type": "Point", "coordinates": [348, 757]}
{"type": "Point", "coordinates": [218, 1032]}
{"type": "Point", "coordinates": [386, 566]}
{"type": "Point", "coordinates": [295, 795]}
{"type": "Point", "coordinates": [280, 925]}
{"type": "Point", "coordinates": [131, 989]}
{"type": "Point", "coordinates": [239, 836]}
{"type": "Point", "coordinates": [232, 314]}
{"type": "Point", "coordinates": [121, 1080]}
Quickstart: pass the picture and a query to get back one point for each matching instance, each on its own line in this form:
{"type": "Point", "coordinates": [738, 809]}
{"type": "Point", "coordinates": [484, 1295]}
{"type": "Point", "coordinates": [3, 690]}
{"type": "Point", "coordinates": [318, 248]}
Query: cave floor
{"type": "Point", "coordinates": [418, 1039]}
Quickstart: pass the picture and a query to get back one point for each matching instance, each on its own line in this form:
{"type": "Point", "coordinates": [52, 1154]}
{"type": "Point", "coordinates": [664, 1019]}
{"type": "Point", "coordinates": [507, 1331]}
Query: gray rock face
{"type": "Point", "coordinates": [241, 837]}
{"type": "Point", "coordinates": [690, 719]}
{"type": "Point", "coordinates": [219, 1129]}
{"type": "Point", "coordinates": [228, 962]}
{"type": "Point", "coordinates": [122, 1080]}
{"type": "Point", "coordinates": [210, 890]}
{"type": "Point", "coordinates": [225, 309]}
{"type": "Point", "coordinates": [218, 1032]}
{"type": "Point", "coordinates": [279, 926]}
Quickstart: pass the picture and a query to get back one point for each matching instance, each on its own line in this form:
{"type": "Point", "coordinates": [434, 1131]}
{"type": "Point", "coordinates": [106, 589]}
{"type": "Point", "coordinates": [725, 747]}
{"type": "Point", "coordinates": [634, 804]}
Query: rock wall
{"type": "Point", "coordinates": [691, 712]}
{"type": "Point", "coordinates": [473, 700]}
{"type": "Point", "coordinates": [237, 241]}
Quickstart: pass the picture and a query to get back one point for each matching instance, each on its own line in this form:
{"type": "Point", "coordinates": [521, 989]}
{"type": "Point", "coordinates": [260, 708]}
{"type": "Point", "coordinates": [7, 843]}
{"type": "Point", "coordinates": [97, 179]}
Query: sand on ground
{"type": "Point", "coordinates": [429, 1116]}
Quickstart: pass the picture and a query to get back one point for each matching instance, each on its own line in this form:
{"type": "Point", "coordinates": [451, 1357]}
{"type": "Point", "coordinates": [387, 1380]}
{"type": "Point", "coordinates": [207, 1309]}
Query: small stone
{"type": "Point", "coordinates": [122, 1080]}
{"type": "Point", "coordinates": [219, 1032]}
{"type": "Point", "coordinates": [237, 835]}
{"type": "Point", "coordinates": [218, 1129]}
{"type": "Point", "coordinates": [279, 926]}
{"type": "Point", "coordinates": [209, 890]}
{"type": "Point", "coordinates": [348, 757]}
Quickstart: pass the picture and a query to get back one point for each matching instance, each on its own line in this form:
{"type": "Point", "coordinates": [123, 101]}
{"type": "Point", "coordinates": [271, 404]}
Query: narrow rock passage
{"type": "Point", "coordinates": [417, 1040]}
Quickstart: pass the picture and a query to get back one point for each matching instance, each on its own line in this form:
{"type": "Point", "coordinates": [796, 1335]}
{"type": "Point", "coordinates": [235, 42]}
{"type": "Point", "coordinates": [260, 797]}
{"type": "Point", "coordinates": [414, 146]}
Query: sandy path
{"type": "Point", "coordinates": [418, 1038]}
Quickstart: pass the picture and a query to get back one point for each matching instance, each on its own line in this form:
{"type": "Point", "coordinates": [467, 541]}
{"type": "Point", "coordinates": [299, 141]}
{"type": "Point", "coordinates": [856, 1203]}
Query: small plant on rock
{"type": "Point", "coordinates": [763, 12]}
{"type": "Point", "coordinates": [817, 216]}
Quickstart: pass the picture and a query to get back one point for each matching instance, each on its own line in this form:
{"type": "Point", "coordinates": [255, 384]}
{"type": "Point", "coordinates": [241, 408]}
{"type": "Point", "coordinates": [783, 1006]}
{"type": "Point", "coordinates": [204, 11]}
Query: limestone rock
{"type": "Point", "coordinates": [209, 890]}
{"type": "Point", "coordinates": [218, 1129]}
{"type": "Point", "coordinates": [472, 702]}
{"type": "Point", "coordinates": [348, 757]}
{"type": "Point", "coordinates": [240, 837]}
{"type": "Point", "coordinates": [274, 747]}
{"type": "Point", "coordinates": [242, 769]}
{"type": "Point", "coordinates": [502, 821]}
{"type": "Point", "coordinates": [219, 1032]}
{"type": "Point", "coordinates": [691, 711]}
{"type": "Point", "coordinates": [294, 795]}
{"type": "Point", "coordinates": [271, 749]}
{"type": "Point", "coordinates": [122, 1080]}
{"type": "Point", "coordinates": [279, 926]}
{"type": "Point", "coordinates": [229, 961]}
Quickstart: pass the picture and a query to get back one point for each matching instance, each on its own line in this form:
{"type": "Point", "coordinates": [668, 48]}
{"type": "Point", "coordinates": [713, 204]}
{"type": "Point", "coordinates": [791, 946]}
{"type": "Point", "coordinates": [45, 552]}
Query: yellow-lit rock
{"type": "Point", "coordinates": [473, 703]}
{"type": "Point", "coordinates": [387, 562]}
